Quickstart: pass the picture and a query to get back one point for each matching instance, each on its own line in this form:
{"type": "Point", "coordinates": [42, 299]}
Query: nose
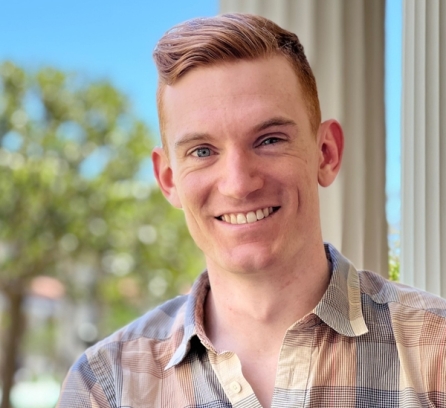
{"type": "Point", "coordinates": [241, 175]}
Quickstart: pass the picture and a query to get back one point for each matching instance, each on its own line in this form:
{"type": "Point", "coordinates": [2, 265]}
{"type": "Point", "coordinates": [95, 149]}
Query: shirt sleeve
{"type": "Point", "coordinates": [81, 388]}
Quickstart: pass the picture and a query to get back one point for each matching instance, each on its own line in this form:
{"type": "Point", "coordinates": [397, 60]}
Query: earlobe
{"type": "Point", "coordinates": [164, 176]}
{"type": "Point", "coordinates": [331, 146]}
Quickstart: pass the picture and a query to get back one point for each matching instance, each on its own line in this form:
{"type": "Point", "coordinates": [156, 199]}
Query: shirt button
{"type": "Point", "coordinates": [236, 387]}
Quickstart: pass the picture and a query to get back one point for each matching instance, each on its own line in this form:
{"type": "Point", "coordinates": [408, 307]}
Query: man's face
{"type": "Point", "coordinates": [243, 163]}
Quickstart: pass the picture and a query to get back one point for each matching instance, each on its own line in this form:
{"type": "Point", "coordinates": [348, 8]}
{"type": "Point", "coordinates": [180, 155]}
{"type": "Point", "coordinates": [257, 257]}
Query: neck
{"type": "Point", "coordinates": [264, 302]}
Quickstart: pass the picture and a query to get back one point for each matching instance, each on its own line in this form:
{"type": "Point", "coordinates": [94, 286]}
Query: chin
{"type": "Point", "coordinates": [247, 262]}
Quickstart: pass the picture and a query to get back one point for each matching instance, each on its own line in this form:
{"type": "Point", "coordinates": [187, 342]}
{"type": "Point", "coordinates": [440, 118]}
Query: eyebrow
{"type": "Point", "coordinates": [191, 137]}
{"type": "Point", "coordinates": [277, 121]}
{"type": "Point", "coordinates": [200, 137]}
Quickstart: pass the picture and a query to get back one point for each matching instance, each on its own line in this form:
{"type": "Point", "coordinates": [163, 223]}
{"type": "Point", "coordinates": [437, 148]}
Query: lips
{"type": "Point", "coordinates": [249, 217]}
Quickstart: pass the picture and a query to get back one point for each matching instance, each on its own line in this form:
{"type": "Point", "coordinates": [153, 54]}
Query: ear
{"type": "Point", "coordinates": [164, 176]}
{"type": "Point", "coordinates": [331, 146]}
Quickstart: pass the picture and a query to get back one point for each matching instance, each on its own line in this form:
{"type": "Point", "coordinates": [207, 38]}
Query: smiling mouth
{"type": "Point", "coordinates": [249, 217]}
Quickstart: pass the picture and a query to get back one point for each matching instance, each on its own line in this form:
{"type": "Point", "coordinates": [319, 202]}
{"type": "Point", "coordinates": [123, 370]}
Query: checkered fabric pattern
{"type": "Point", "coordinates": [368, 343]}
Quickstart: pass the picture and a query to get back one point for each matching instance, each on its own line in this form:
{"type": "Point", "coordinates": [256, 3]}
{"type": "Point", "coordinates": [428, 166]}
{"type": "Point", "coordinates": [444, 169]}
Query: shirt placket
{"type": "Point", "coordinates": [294, 365]}
{"type": "Point", "coordinates": [228, 369]}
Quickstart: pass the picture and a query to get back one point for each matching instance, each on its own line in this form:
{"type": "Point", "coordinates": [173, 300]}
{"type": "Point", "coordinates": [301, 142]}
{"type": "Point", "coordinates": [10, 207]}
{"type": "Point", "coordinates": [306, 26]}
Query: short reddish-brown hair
{"type": "Point", "coordinates": [227, 38]}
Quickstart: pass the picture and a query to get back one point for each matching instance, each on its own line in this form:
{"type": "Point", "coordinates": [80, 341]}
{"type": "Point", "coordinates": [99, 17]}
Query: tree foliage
{"type": "Point", "coordinates": [394, 267]}
{"type": "Point", "coordinates": [76, 201]}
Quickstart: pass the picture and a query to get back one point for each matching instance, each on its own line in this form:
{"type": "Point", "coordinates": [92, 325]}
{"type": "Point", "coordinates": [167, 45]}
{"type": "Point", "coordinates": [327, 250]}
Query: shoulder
{"type": "Point", "coordinates": [147, 340]}
{"type": "Point", "coordinates": [408, 309]}
{"type": "Point", "coordinates": [383, 291]}
{"type": "Point", "coordinates": [138, 350]}
{"type": "Point", "coordinates": [157, 325]}
{"type": "Point", "coordinates": [406, 331]}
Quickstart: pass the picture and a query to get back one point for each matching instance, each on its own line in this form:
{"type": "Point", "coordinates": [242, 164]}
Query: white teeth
{"type": "Point", "coordinates": [250, 217]}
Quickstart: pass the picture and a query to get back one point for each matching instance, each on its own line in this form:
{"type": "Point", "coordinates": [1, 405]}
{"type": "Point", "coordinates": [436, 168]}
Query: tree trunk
{"type": "Point", "coordinates": [15, 295]}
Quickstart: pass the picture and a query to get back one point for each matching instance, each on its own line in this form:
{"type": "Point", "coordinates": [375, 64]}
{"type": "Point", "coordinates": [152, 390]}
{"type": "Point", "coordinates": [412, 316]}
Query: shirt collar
{"type": "Point", "coordinates": [340, 307]}
{"type": "Point", "coordinates": [193, 319]}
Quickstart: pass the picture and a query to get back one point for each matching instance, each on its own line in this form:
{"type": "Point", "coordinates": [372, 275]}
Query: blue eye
{"type": "Point", "coordinates": [270, 140]}
{"type": "Point", "coordinates": [202, 152]}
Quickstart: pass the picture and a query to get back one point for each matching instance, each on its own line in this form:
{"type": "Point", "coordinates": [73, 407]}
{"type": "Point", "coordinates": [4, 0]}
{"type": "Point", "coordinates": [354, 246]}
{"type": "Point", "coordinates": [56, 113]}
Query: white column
{"type": "Point", "coordinates": [344, 42]}
{"type": "Point", "coordinates": [423, 230]}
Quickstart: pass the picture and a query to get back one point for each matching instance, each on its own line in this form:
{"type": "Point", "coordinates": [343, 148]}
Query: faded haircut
{"type": "Point", "coordinates": [227, 38]}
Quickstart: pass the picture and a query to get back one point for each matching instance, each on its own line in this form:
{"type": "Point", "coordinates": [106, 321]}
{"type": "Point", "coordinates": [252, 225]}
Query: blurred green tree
{"type": "Point", "coordinates": [75, 204]}
{"type": "Point", "coordinates": [394, 267]}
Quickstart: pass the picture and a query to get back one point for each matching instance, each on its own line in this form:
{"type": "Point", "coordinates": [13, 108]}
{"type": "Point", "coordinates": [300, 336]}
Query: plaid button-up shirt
{"type": "Point", "coordinates": [368, 343]}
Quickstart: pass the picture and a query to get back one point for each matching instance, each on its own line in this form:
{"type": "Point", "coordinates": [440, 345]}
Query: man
{"type": "Point", "coordinates": [278, 319]}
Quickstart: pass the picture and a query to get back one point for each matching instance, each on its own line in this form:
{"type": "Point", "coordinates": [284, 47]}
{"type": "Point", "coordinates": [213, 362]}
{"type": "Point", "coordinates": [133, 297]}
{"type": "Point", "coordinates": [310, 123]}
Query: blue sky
{"type": "Point", "coordinates": [393, 57]}
{"type": "Point", "coordinates": [114, 40]}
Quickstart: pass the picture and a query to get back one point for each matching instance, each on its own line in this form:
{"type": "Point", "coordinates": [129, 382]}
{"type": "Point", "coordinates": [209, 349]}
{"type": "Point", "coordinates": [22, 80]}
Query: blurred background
{"type": "Point", "coordinates": [87, 242]}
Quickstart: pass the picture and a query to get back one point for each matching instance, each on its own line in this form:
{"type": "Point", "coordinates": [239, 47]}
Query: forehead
{"type": "Point", "coordinates": [232, 96]}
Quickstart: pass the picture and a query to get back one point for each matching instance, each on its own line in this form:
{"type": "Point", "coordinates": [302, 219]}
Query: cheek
{"type": "Point", "coordinates": [300, 179]}
{"type": "Point", "coordinates": [192, 192]}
